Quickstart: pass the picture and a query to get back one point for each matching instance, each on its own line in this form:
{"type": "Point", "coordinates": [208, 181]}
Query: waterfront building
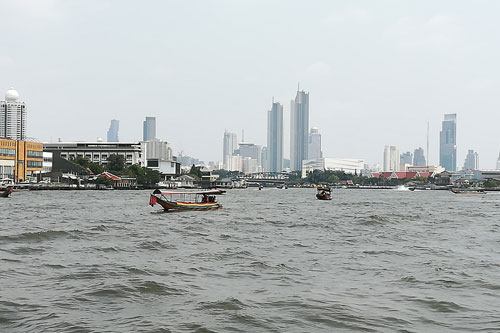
{"type": "Point", "coordinates": [348, 165]}
{"type": "Point", "coordinates": [113, 131]}
{"type": "Point", "coordinates": [299, 127]}
{"type": "Point", "coordinates": [230, 144]}
{"type": "Point", "coordinates": [12, 116]}
{"type": "Point", "coordinates": [405, 159]}
{"type": "Point", "coordinates": [149, 129]}
{"type": "Point", "coordinates": [97, 151]}
{"type": "Point", "coordinates": [250, 151]}
{"type": "Point", "coordinates": [448, 142]}
{"type": "Point", "coordinates": [157, 155]}
{"type": "Point", "coordinates": [471, 161]}
{"type": "Point", "coordinates": [20, 160]}
{"type": "Point", "coordinates": [391, 158]}
{"type": "Point", "coordinates": [275, 138]}
{"type": "Point", "coordinates": [314, 144]}
{"type": "Point", "coordinates": [419, 157]}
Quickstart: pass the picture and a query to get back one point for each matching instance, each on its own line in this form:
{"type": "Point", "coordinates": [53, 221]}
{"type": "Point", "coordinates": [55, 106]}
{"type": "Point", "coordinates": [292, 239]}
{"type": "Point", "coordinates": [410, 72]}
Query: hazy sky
{"type": "Point", "coordinates": [376, 71]}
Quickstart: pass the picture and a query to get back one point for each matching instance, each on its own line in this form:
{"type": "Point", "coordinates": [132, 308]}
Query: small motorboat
{"type": "Point", "coordinates": [469, 190]}
{"type": "Point", "coordinates": [324, 193]}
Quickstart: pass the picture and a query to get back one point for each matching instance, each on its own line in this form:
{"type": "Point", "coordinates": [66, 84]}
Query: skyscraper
{"type": "Point", "coordinates": [149, 129]}
{"type": "Point", "coordinates": [113, 131]}
{"type": "Point", "coordinates": [404, 159]}
{"type": "Point", "coordinates": [419, 157]}
{"type": "Point", "coordinates": [314, 145]}
{"type": "Point", "coordinates": [12, 116]}
{"type": "Point", "coordinates": [448, 143]}
{"type": "Point", "coordinates": [299, 126]}
{"type": "Point", "coordinates": [275, 138]}
{"type": "Point", "coordinates": [230, 144]}
{"type": "Point", "coordinates": [391, 158]}
{"type": "Point", "coordinates": [498, 162]}
{"type": "Point", "coordinates": [471, 161]}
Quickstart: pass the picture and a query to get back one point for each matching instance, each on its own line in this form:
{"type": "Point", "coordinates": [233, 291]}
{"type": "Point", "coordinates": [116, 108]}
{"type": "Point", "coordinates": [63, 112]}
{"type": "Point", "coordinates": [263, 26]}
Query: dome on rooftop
{"type": "Point", "coordinates": [11, 95]}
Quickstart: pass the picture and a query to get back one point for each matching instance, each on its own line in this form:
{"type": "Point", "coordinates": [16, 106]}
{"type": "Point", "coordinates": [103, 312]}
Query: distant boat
{"type": "Point", "coordinates": [201, 200]}
{"type": "Point", "coordinates": [469, 190]}
{"type": "Point", "coordinates": [282, 186]}
{"type": "Point", "coordinates": [324, 193]}
{"type": "Point", "coordinates": [5, 191]}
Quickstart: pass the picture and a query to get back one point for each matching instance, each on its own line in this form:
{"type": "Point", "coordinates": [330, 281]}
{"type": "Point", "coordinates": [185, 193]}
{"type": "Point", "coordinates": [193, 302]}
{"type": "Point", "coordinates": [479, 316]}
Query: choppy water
{"type": "Point", "coordinates": [270, 261]}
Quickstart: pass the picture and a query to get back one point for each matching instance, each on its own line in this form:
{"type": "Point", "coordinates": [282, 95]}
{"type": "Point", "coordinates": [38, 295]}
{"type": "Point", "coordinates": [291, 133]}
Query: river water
{"type": "Point", "coordinates": [270, 261]}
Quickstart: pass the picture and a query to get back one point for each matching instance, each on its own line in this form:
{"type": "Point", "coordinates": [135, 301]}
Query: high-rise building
{"type": "Point", "coordinates": [275, 138]}
{"type": "Point", "coordinates": [471, 161]}
{"type": "Point", "coordinates": [113, 131]}
{"type": "Point", "coordinates": [448, 143]}
{"type": "Point", "coordinates": [149, 129]}
{"type": "Point", "coordinates": [419, 157]}
{"type": "Point", "coordinates": [314, 145]}
{"type": "Point", "coordinates": [230, 144]}
{"type": "Point", "coordinates": [299, 127]}
{"type": "Point", "coordinates": [498, 162]}
{"type": "Point", "coordinates": [391, 158]}
{"type": "Point", "coordinates": [405, 159]}
{"type": "Point", "coordinates": [12, 116]}
{"type": "Point", "coordinates": [250, 151]}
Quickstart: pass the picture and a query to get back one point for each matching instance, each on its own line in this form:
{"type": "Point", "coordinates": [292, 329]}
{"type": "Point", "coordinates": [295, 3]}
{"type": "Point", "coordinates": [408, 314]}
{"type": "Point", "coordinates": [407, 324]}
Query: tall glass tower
{"type": "Point", "coordinates": [113, 131]}
{"type": "Point", "coordinates": [314, 148]}
{"type": "Point", "coordinates": [299, 126]}
{"type": "Point", "coordinates": [275, 138]}
{"type": "Point", "coordinates": [149, 129]}
{"type": "Point", "coordinates": [12, 116]}
{"type": "Point", "coordinates": [448, 143]}
{"type": "Point", "coordinates": [230, 144]}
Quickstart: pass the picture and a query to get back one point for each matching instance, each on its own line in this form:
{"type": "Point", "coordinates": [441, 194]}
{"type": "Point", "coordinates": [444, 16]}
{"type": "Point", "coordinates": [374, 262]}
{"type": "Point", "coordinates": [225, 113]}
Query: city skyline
{"type": "Point", "coordinates": [429, 59]}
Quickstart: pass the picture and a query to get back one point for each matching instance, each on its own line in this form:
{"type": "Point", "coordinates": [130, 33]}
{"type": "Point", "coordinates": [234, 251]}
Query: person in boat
{"type": "Point", "coordinates": [204, 198]}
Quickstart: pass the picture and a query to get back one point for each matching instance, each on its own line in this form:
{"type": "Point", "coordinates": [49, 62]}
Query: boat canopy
{"type": "Point", "coordinates": [208, 192]}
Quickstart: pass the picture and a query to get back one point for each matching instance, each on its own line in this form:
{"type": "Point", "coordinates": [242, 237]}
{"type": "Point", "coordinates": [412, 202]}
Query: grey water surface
{"type": "Point", "coordinates": [269, 261]}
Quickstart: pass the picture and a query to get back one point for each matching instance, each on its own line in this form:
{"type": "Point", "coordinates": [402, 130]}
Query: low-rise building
{"type": "Point", "coordinates": [348, 165]}
{"type": "Point", "coordinates": [20, 160]}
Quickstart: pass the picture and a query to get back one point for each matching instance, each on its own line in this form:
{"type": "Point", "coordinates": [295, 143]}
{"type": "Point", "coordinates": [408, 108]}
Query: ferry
{"type": "Point", "coordinates": [324, 193]}
{"type": "Point", "coordinates": [5, 191]}
{"type": "Point", "coordinates": [470, 190]}
{"type": "Point", "coordinates": [192, 200]}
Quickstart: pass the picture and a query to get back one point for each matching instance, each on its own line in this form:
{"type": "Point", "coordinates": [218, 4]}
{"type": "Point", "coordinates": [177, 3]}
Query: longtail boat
{"type": "Point", "coordinates": [5, 191]}
{"type": "Point", "coordinates": [324, 193]}
{"type": "Point", "coordinates": [201, 200]}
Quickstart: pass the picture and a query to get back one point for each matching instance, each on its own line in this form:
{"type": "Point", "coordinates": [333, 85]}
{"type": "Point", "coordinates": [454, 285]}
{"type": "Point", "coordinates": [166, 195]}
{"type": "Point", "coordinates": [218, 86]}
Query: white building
{"type": "Point", "coordinates": [471, 161]}
{"type": "Point", "coordinates": [391, 158]}
{"type": "Point", "coordinates": [348, 165]}
{"type": "Point", "coordinates": [12, 116]}
{"type": "Point", "coordinates": [498, 162]}
{"type": "Point", "coordinates": [274, 158]}
{"type": "Point", "coordinates": [157, 155]}
{"type": "Point", "coordinates": [233, 163]}
{"type": "Point", "coordinates": [314, 144]}
{"type": "Point", "coordinates": [230, 144]}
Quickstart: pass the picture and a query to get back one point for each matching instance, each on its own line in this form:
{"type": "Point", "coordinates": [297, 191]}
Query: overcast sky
{"type": "Point", "coordinates": [376, 71]}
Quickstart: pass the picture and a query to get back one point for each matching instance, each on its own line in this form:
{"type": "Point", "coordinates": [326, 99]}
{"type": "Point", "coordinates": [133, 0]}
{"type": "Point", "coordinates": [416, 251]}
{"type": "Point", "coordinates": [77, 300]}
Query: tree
{"type": "Point", "coordinates": [195, 171]}
{"type": "Point", "coordinates": [116, 163]}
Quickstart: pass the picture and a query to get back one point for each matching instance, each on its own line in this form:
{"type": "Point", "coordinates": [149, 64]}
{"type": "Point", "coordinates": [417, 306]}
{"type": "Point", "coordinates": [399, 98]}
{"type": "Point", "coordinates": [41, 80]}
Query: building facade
{"type": "Point", "coordinates": [299, 127]}
{"type": "Point", "coordinates": [419, 157]}
{"type": "Point", "coordinates": [498, 162]}
{"type": "Point", "coordinates": [405, 159]}
{"type": "Point", "coordinates": [20, 160]}
{"type": "Point", "coordinates": [471, 161]}
{"type": "Point", "coordinates": [448, 143]}
{"type": "Point", "coordinates": [275, 138]}
{"type": "Point", "coordinates": [314, 145]}
{"type": "Point", "coordinates": [348, 165]}
{"type": "Point", "coordinates": [230, 144]}
{"type": "Point", "coordinates": [113, 131]}
{"type": "Point", "coordinates": [149, 129]}
{"type": "Point", "coordinates": [391, 158]}
{"type": "Point", "coordinates": [12, 117]}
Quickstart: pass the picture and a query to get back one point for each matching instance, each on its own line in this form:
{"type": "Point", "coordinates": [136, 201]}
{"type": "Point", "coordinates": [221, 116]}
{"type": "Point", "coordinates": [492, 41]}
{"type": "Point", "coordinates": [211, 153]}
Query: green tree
{"type": "Point", "coordinates": [116, 163]}
{"type": "Point", "coordinates": [195, 171]}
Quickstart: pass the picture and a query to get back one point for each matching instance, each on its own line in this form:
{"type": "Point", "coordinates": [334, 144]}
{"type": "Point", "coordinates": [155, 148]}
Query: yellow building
{"type": "Point", "coordinates": [20, 159]}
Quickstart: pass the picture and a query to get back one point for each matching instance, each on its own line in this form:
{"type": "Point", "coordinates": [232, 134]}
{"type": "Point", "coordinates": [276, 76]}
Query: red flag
{"type": "Point", "coordinates": [152, 200]}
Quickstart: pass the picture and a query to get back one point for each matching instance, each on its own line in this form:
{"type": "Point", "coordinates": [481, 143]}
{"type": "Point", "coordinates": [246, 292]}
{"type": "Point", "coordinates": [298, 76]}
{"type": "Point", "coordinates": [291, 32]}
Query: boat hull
{"type": "Point", "coordinates": [323, 197]}
{"type": "Point", "coordinates": [179, 205]}
{"type": "Point", "coordinates": [5, 191]}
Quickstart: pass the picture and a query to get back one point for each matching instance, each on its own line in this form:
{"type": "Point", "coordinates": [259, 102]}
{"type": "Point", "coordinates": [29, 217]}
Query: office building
{"type": "Point", "coordinates": [348, 165]}
{"type": "Point", "coordinates": [419, 157]}
{"type": "Point", "coordinates": [448, 143]}
{"type": "Point", "coordinates": [230, 144]}
{"type": "Point", "coordinates": [113, 131]}
{"type": "Point", "coordinates": [251, 157]}
{"type": "Point", "coordinates": [149, 129]}
{"type": "Point", "coordinates": [405, 159]}
{"type": "Point", "coordinates": [299, 130]}
{"type": "Point", "coordinates": [391, 158]}
{"type": "Point", "coordinates": [157, 155]}
{"type": "Point", "coordinates": [498, 162]}
{"type": "Point", "coordinates": [314, 144]}
{"type": "Point", "coordinates": [12, 116]}
{"type": "Point", "coordinates": [20, 160]}
{"type": "Point", "coordinates": [471, 161]}
{"type": "Point", "coordinates": [275, 138]}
